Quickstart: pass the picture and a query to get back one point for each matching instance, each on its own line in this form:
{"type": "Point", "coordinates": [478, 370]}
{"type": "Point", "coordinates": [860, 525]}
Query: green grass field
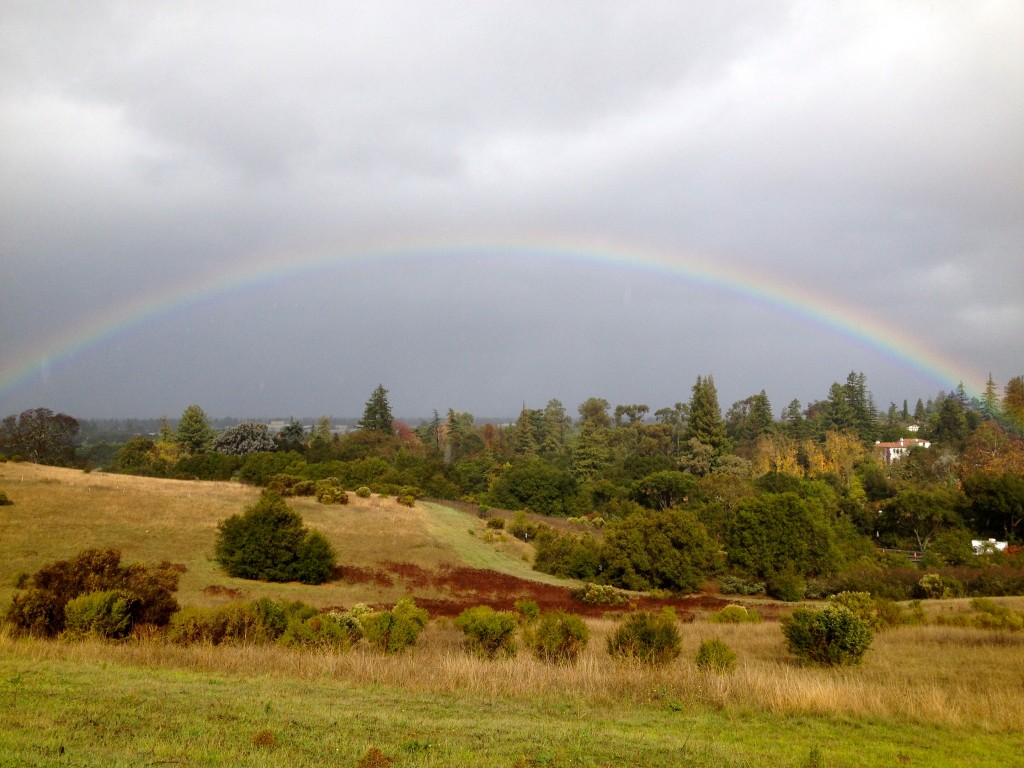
{"type": "Point", "coordinates": [925, 696]}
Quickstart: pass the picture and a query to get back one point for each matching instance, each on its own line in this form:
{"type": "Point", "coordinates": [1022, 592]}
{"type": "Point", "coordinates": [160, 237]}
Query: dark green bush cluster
{"type": "Point", "coordinates": [291, 485]}
{"type": "Point", "coordinates": [330, 491]}
{"type": "Point", "coordinates": [650, 638]}
{"type": "Point", "coordinates": [558, 637]}
{"type": "Point", "coordinates": [735, 614]}
{"type": "Point", "coordinates": [5, 500]}
{"type": "Point", "coordinates": [488, 633]}
{"type": "Point", "coordinates": [986, 614]}
{"type": "Point", "coordinates": [143, 594]}
{"type": "Point", "coordinates": [715, 656]}
{"type": "Point", "coordinates": [496, 523]}
{"type": "Point", "coordinates": [565, 555]}
{"type": "Point", "coordinates": [832, 636]}
{"type": "Point", "coordinates": [268, 542]}
{"type": "Point", "coordinates": [598, 594]}
{"type": "Point", "coordinates": [397, 629]}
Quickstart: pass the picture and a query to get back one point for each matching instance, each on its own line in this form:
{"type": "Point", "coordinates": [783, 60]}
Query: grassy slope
{"type": "Point", "coordinates": [58, 512]}
{"type": "Point", "coordinates": [925, 696]}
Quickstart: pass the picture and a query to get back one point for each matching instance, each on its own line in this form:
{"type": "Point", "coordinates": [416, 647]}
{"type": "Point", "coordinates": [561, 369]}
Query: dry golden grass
{"type": "Point", "coordinates": [952, 677]}
{"type": "Point", "coordinates": [58, 512]}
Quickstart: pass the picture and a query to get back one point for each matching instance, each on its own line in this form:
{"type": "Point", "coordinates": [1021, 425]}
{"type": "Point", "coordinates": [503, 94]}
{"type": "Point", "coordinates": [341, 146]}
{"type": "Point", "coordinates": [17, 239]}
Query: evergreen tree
{"type": "Point", "coordinates": [194, 431]}
{"type": "Point", "coordinates": [706, 425]}
{"type": "Point", "coordinates": [591, 452]}
{"type": "Point", "coordinates": [377, 414]}
{"type": "Point", "coordinates": [838, 414]}
{"type": "Point", "coordinates": [793, 422]}
{"type": "Point", "coordinates": [1013, 401]}
{"type": "Point", "coordinates": [990, 401]}
{"type": "Point", "coordinates": [920, 412]}
{"type": "Point", "coordinates": [524, 442]}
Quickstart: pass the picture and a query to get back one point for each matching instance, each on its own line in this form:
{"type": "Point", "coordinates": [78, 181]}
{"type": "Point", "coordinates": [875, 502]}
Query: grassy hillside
{"type": "Point", "coordinates": [924, 696]}
{"type": "Point", "coordinates": [58, 512]}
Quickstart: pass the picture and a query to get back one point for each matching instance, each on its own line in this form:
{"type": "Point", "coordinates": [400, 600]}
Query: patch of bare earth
{"type": "Point", "coordinates": [463, 587]}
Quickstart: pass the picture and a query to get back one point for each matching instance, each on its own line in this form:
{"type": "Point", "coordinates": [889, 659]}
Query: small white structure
{"type": "Point", "coordinates": [897, 450]}
{"type": "Point", "coordinates": [987, 546]}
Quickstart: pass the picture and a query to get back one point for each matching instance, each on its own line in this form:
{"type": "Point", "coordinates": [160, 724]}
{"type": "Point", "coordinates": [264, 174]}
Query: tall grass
{"type": "Point", "coordinates": [956, 677]}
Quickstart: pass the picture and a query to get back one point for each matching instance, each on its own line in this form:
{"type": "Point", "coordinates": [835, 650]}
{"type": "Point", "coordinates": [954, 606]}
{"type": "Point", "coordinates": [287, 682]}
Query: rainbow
{"type": "Point", "coordinates": [821, 311]}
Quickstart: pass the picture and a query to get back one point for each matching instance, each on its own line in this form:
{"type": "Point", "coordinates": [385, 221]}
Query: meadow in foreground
{"type": "Point", "coordinates": [928, 696]}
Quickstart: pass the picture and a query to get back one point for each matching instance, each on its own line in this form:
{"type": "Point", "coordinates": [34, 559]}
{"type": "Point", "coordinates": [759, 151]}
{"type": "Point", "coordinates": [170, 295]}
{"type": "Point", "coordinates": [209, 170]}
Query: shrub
{"type": "Point", "coordinates": [932, 586]}
{"type": "Point", "coordinates": [528, 610]}
{"type": "Point", "coordinates": [291, 485]}
{"type": "Point", "coordinates": [734, 614]}
{"type": "Point", "coordinates": [559, 637]}
{"type": "Point", "coordinates": [40, 610]}
{"type": "Point", "coordinates": [363, 492]}
{"type": "Point", "coordinates": [393, 631]}
{"type": "Point", "coordinates": [787, 586]}
{"type": "Point", "coordinates": [237, 623]}
{"type": "Point", "coordinates": [715, 656]}
{"type": "Point", "coordinates": [987, 614]}
{"type": "Point", "coordinates": [646, 637]}
{"type": "Point", "coordinates": [598, 594]}
{"type": "Point", "coordinates": [878, 612]}
{"type": "Point", "coordinates": [831, 637]}
{"type": "Point", "coordinates": [407, 500]}
{"type": "Point", "coordinates": [489, 633]}
{"type": "Point", "coordinates": [737, 585]}
{"type": "Point", "coordinates": [5, 500]}
{"type": "Point", "coordinates": [325, 632]}
{"type": "Point", "coordinates": [106, 615]}
{"type": "Point", "coordinates": [496, 523]}
{"type": "Point", "coordinates": [268, 542]}
{"type": "Point", "coordinates": [330, 491]}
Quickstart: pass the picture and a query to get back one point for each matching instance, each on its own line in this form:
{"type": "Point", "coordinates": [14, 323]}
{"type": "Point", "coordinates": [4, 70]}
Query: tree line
{"type": "Point", "coordinates": [662, 499]}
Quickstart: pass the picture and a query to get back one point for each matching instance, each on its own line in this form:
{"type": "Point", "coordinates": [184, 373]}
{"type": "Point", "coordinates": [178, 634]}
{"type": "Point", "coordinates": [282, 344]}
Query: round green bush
{"type": "Point", "coordinates": [715, 656]}
{"type": "Point", "coordinates": [832, 637]}
{"type": "Point", "coordinates": [330, 491]}
{"type": "Point", "coordinates": [650, 638]}
{"type": "Point", "coordinates": [5, 500]}
{"type": "Point", "coordinates": [363, 492]}
{"type": "Point", "coordinates": [489, 633]}
{"type": "Point", "coordinates": [268, 542]}
{"type": "Point", "coordinates": [734, 614]}
{"type": "Point", "coordinates": [559, 637]}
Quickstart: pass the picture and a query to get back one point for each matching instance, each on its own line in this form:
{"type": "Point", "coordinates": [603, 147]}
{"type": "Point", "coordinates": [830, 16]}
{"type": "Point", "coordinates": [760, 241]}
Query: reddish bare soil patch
{"type": "Point", "coordinates": [467, 587]}
{"type": "Point", "coordinates": [356, 575]}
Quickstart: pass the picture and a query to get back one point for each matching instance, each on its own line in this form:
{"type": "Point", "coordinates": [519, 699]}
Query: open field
{"type": "Point", "coordinates": [387, 551]}
{"type": "Point", "coordinates": [924, 696]}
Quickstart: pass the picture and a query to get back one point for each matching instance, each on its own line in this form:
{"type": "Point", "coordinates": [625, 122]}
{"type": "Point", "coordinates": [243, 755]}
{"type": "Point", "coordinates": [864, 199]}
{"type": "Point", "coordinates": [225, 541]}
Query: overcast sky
{"type": "Point", "coordinates": [867, 154]}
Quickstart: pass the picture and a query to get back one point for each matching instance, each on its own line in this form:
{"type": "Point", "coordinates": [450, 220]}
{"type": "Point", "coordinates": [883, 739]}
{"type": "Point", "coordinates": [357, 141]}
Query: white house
{"type": "Point", "coordinates": [897, 450]}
